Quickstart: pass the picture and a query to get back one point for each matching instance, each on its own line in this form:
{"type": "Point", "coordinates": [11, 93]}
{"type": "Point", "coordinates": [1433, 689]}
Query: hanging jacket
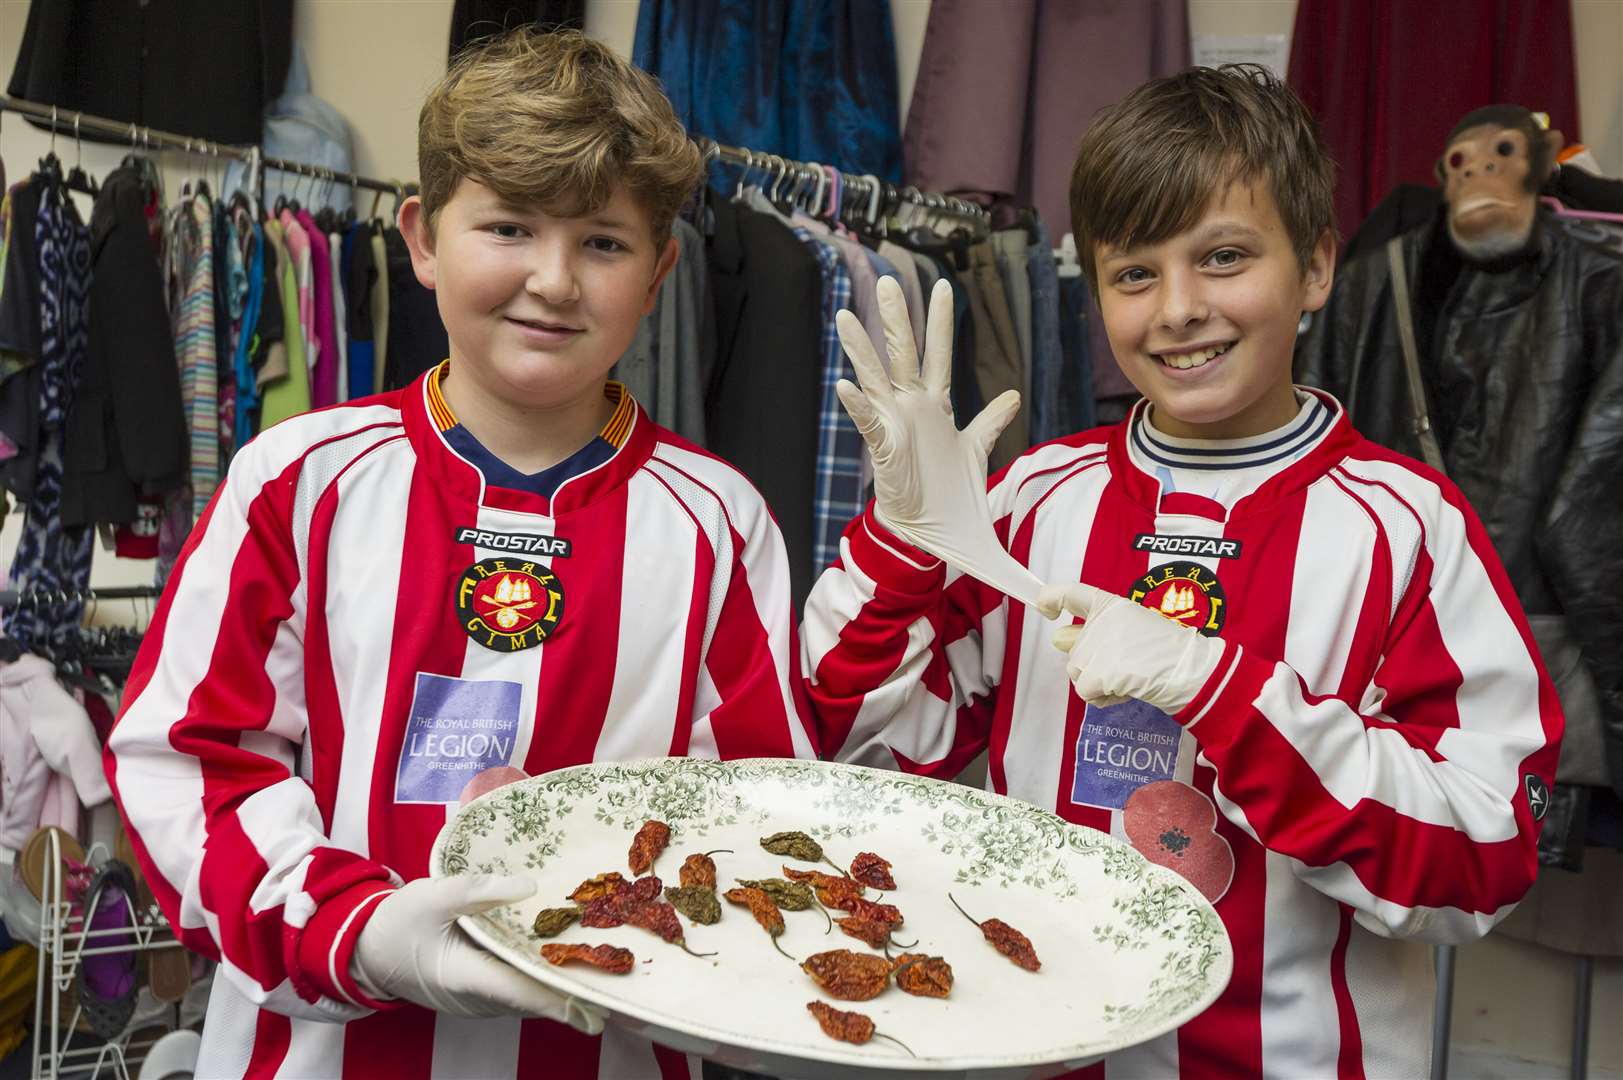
{"type": "Point", "coordinates": [44, 735]}
{"type": "Point", "coordinates": [1525, 375]}
{"type": "Point", "coordinates": [126, 431]}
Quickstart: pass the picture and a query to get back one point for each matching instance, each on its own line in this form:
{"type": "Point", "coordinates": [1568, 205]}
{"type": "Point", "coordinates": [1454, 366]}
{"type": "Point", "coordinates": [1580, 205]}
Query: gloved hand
{"type": "Point", "coordinates": [413, 949]}
{"type": "Point", "coordinates": [929, 477]}
{"type": "Point", "coordinates": [1124, 650]}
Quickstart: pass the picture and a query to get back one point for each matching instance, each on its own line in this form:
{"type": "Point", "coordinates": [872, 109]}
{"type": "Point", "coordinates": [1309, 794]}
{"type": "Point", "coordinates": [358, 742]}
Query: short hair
{"type": "Point", "coordinates": [554, 119]}
{"type": "Point", "coordinates": [1149, 165]}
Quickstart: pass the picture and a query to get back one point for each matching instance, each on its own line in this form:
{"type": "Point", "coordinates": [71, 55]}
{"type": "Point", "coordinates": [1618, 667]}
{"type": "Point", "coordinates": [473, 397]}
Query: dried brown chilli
{"type": "Point", "coordinates": [765, 911]}
{"type": "Point", "coordinates": [851, 1027]}
{"type": "Point", "coordinates": [847, 975]}
{"type": "Point", "coordinates": [647, 845]}
{"type": "Point", "coordinates": [923, 976]}
{"type": "Point", "coordinates": [598, 887]}
{"type": "Point", "coordinates": [789, 895]}
{"type": "Point", "coordinates": [699, 869]}
{"type": "Point", "coordinates": [1005, 939]}
{"type": "Point", "coordinates": [610, 958]}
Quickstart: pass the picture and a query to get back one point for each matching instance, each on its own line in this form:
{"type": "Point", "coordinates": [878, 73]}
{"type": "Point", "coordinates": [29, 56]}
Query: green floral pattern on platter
{"type": "Point", "coordinates": [984, 841]}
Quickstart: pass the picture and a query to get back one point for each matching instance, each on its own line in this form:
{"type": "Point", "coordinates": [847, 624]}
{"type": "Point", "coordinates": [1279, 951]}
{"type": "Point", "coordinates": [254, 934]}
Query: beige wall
{"type": "Point", "coordinates": [374, 58]}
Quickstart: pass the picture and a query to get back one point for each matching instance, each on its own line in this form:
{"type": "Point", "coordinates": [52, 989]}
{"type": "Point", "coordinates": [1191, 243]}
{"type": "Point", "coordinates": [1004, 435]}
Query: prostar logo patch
{"type": "Point", "coordinates": [1201, 547]}
{"type": "Point", "coordinates": [518, 543]}
{"type": "Point", "coordinates": [1184, 592]}
{"type": "Point", "coordinates": [509, 604]}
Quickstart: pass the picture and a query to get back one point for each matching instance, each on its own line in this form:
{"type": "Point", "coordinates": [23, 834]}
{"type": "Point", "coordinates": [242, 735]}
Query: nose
{"type": "Point", "coordinates": [552, 274]}
{"type": "Point", "coordinates": [1183, 302]}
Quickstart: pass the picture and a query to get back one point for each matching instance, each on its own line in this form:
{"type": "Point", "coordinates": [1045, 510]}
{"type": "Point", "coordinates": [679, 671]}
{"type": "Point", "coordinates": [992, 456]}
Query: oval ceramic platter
{"type": "Point", "coordinates": [1129, 950]}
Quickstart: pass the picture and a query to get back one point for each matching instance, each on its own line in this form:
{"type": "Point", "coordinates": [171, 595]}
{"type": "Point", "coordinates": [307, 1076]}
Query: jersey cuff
{"type": "Point", "coordinates": [1226, 698]}
{"type": "Point", "coordinates": [327, 945]}
{"type": "Point", "coordinates": [890, 560]}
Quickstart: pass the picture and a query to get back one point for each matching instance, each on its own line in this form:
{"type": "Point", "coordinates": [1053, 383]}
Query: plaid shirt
{"type": "Point", "coordinates": [839, 444]}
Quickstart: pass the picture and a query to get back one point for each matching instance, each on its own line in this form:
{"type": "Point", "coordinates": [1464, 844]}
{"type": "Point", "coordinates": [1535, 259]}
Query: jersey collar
{"type": "Point", "coordinates": [1144, 489]}
{"type": "Point", "coordinates": [628, 433]}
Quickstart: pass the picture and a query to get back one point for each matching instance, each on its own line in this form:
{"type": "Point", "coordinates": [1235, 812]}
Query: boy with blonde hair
{"type": "Point", "coordinates": [508, 539]}
{"type": "Point", "coordinates": [1292, 667]}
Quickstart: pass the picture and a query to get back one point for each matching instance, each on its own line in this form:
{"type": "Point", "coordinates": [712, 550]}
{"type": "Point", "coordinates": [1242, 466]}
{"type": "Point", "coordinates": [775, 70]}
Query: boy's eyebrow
{"type": "Point", "coordinates": [1226, 229]}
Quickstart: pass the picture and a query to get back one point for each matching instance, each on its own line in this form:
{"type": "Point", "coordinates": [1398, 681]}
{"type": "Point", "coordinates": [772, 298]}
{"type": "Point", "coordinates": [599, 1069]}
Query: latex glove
{"type": "Point", "coordinates": [412, 948]}
{"type": "Point", "coordinates": [929, 477]}
{"type": "Point", "coordinates": [1124, 650]}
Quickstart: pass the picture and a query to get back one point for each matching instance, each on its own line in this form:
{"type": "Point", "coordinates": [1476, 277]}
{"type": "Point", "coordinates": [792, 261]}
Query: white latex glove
{"type": "Point", "coordinates": [1124, 650]}
{"type": "Point", "coordinates": [929, 477]}
{"type": "Point", "coordinates": [413, 949]}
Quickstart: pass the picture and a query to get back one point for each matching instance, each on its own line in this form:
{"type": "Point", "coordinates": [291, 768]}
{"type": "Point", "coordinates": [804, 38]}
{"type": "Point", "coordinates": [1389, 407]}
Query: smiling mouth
{"type": "Point", "coordinates": [536, 324]}
{"type": "Point", "coordinates": [1194, 358]}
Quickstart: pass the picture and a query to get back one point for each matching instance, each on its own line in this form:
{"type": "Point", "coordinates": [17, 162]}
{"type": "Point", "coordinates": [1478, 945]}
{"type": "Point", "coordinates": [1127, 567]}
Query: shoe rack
{"type": "Point", "coordinates": [65, 942]}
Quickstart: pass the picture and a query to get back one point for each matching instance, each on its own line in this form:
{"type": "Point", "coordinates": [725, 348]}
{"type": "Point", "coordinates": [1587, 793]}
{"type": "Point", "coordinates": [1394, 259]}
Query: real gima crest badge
{"type": "Point", "coordinates": [509, 604]}
{"type": "Point", "coordinates": [1184, 592]}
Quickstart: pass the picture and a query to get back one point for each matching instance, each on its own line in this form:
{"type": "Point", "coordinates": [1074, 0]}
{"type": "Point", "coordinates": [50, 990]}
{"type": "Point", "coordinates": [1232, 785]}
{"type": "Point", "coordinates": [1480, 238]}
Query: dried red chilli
{"type": "Point", "coordinates": [889, 914]}
{"type": "Point", "coordinates": [647, 844]}
{"type": "Point", "coordinates": [637, 903]}
{"type": "Point", "coordinates": [847, 975]}
{"type": "Point", "coordinates": [1005, 939]}
{"type": "Point", "coordinates": [699, 869]}
{"type": "Point", "coordinates": [872, 871]}
{"type": "Point", "coordinates": [846, 1026]}
{"type": "Point", "coordinates": [923, 976]}
{"type": "Point", "coordinates": [610, 958]}
{"type": "Point", "coordinates": [765, 911]}
{"type": "Point", "coordinates": [875, 935]}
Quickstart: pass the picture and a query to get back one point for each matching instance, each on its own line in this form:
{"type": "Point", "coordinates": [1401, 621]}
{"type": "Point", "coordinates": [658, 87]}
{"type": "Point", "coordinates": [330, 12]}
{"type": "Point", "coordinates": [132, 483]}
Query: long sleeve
{"type": "Point", "coordinates": [902, 660]}
{"type": "Point", "coordinates": [203, 759]}
{"type": "Point", "coordinates": [1418, 804]}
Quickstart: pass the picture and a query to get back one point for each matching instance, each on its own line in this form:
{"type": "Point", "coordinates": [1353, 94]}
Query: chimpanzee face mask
{"type": "Point", "coordinates": [1491, 194]}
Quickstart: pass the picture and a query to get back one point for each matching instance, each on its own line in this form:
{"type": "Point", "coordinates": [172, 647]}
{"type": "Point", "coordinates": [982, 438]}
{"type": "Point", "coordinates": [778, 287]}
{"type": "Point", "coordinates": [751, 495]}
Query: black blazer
{"type": "Point", "coordinates": [126, 432]}
{"type": "Point", "coordinates": [761, 410]}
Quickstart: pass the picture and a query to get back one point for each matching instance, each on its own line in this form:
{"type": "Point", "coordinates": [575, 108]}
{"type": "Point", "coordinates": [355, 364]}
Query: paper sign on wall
{"type": "Point", "coordinates": [1272, 51]}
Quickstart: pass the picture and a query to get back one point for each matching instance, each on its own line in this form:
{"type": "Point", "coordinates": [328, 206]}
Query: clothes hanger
{"type": "Point", "coordinates": [78, 179]}
{"type": "Point", "coordinates": [1562, 210]}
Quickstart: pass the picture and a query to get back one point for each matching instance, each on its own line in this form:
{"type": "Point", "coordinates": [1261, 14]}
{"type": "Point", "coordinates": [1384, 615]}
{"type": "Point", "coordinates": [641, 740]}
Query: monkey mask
{"type": "Point", "coordinates": [1495, 161]}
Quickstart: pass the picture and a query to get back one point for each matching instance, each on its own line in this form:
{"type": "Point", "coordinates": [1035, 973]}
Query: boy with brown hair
{"type": "Point", "coordinates": [1293, 669]}
{"type": "Point", "coordinates": [507, 543]}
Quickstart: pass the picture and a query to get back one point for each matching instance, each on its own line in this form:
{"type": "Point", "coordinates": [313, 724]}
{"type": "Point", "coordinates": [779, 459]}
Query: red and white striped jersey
{"type": "Point", "coordinates": [358, 624]}
{"type": "Point", "coordinates": [1363, 774]}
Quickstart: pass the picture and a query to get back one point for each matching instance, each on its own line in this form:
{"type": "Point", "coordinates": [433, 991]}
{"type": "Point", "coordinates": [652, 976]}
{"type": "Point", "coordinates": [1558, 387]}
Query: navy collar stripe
{"type": "Point", "coordinates": [1319, 417]}
{"type": "Point", "coordinates": [1308, 418]}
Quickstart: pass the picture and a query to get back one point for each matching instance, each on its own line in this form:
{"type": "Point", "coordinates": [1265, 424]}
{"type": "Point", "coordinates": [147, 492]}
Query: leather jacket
{"type": "Point", "coordinates": [1523, 366]}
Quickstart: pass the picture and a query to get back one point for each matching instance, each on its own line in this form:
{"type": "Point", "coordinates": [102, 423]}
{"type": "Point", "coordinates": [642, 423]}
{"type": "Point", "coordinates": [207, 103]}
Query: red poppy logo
{"type": "Point", "coordinates": [1173, 825]}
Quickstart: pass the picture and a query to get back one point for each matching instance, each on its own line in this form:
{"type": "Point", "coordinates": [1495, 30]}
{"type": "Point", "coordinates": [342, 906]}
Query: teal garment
{"type": "Point", "coordinates": [814, 82]}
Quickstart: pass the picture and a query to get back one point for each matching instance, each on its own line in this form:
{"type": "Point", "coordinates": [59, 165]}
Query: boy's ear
{"type": "Point", "coordinates": [413, 223]}
{"type": "Point", "coordinates": [1321, 272]}
{"type": "Point", "coordinates": [667, 260]}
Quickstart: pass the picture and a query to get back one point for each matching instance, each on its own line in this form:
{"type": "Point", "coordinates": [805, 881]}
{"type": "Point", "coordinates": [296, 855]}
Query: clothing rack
{"type": "Point", "coordinates": [879, 194]}
{"type": "Point", "coordinates": [14, 598]}
{"type": "Point", "coordinates": [74, 123]}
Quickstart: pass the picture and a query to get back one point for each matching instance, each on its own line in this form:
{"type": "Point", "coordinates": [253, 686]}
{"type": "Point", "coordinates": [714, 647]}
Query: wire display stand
{"type": "Point", "coordinates": [65, 940]}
